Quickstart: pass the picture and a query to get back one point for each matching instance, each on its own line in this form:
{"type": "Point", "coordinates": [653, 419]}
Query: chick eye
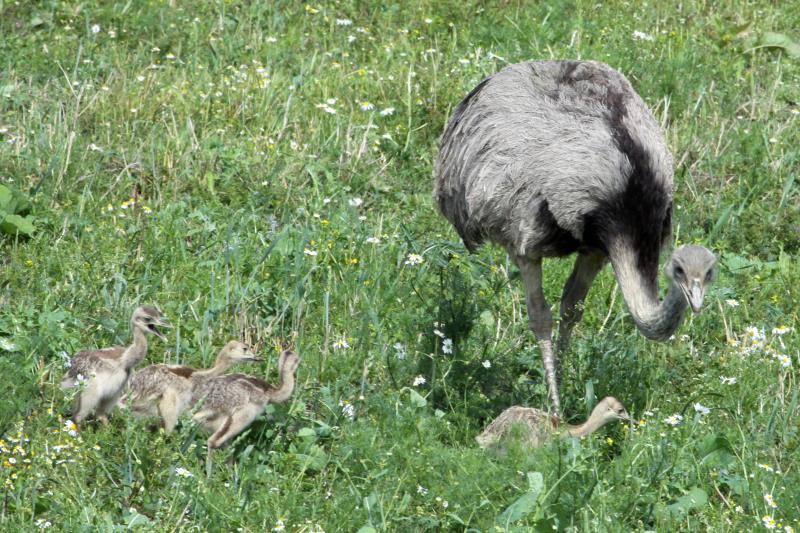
{"type": "Point", "coordinates": [679, 271]}
{"type": "Point", "coordinates": [709, 275]}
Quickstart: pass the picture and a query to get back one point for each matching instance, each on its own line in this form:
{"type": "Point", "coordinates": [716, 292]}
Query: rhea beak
{"type": "Point", "coordinates": [159, 323]}
{"type": "Point", "coordinates": [695, 296]}
{"type": "Point", "coordinates": [624, 416]}
{"type": "Point", "coordinates": [250, 356]}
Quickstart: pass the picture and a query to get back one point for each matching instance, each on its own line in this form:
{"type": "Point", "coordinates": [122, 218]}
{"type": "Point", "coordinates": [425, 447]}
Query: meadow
{"type": "Point", "coordinates": [263, 171]}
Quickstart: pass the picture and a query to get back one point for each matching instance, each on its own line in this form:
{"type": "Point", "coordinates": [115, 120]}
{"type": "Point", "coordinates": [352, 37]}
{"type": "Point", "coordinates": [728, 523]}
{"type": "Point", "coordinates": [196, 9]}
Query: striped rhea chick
{"type": "Point", "coordinates": [538, 426]}
{"type": "Point", "coordinates": [166, 391]}
{"type": "Point", "coordinates": [232, 402]}
{"type": "Point", "coordinates": [105, 371]}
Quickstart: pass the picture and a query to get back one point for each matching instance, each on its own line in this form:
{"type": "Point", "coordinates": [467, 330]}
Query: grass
{"type": "Point", "coordinates": [259, 214]}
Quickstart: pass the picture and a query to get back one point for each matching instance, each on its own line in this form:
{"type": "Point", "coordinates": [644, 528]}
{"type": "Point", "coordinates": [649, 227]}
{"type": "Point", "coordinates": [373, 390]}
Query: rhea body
{"type": "Point", "coordinates": [538, 426]}
{"type": "Point", "coordinates": [552, 158]}
{"type": "Point", "coordinates": [166, 391]}
{"type": "Point", "coordinates": [106, 371]}
{"type": "Point", "coordinates": [233, 401]}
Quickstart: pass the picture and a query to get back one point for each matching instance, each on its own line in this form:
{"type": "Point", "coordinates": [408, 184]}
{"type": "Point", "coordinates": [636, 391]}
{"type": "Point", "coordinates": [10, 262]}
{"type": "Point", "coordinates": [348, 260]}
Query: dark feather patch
{"type": "Point", "coordinates": [256, 382]}
{"type": "Point", "coordinates": [642, 212]}
{"type": "Point", "coordinates": [557, 241]}
{"type": "Point", "coordinates": [182, 371]}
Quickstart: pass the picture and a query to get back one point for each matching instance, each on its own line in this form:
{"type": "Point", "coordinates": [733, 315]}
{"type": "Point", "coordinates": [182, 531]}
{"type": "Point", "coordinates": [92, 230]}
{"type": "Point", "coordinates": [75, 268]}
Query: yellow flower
{"type": "Point", "coordinates": [609, 441]}
{"type": "Point", "coordinates": [354, 261]}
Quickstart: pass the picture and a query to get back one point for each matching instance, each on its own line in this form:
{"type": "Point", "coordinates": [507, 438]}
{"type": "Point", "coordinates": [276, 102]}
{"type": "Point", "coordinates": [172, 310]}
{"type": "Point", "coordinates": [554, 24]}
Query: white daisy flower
{"type": "Point", "coordinates": [447, 346]}
{"type": "Point", "coordinates": [414, 259]}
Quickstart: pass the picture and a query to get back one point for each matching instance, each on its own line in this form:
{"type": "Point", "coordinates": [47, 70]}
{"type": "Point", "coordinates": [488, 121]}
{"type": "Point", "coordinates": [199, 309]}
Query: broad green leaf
{"type": "Point", "coordinates": [525, 503]}
{"type": "Point", "coordinates": [5, 198]}
{"type": "Point", "coordinates": [307, 433]}
{"type": "Point", "coordinates": [416, 399]}
{"type": "Point", "coordinates": [772, 39]}
{"type": "Point", "coordinates": [736, 263]}
{"type": "Point", "coordinates": [695, 499]}
{"type": "Point", "coordinates": [14, 224]}
{"type": "Point", "coordinates": [716, 450]}
{"type": "Point", "coordinates": [314, 460]}
{"type": "Point", "coordinates": [13, 201]}
{"type": "Point", "coordinates": [20, 204]}
{"type": "Point", "coordinates": [535, 482]}
{"type": "Point", "coordinates": [737, 484]}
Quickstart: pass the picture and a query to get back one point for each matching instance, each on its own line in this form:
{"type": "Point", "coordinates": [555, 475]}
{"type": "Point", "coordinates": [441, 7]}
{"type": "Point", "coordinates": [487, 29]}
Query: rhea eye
{"type": "Point", "coordinates": [679, 272]}
{"type": "Point", "coordinates": [709, 275]}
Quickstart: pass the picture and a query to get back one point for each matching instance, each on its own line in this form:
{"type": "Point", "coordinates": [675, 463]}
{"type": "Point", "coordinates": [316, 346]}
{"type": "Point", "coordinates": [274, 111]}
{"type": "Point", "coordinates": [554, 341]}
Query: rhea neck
{"type": "Point", "coordinates": [594, 423]}
{"type": "Point", "coordinates": [136, 351]}
{"type": "Point", "coordinates": [221, 364]}
{"type": "Point", "coordinates": [656, 319]}
{"type": "Point", "coordinates": [285, 387]}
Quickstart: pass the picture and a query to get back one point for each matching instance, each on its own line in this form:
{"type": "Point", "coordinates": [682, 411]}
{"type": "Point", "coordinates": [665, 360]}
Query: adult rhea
{"type": "Point", "coordinates": [550, 158]}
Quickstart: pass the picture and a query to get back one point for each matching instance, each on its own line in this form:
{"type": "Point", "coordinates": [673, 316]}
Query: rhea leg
{"type": "Point", "coordinates": [107, 405]}
{"type": "Point", "coordinates": [238, 421]}
{"type": "Point", "coordinates": [87, 400]}
{"type": "Point", "coordinates": [227, 428]}
{"type": "Point", "coordinates": [587, 266]}
{"type": "Point", "coordinates": [540, 320]}
{"type": "Point", "coordinates": [170, 406]}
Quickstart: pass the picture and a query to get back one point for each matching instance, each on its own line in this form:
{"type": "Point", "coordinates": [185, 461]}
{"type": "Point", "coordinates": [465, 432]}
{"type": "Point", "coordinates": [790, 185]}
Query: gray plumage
{"type": "Point", "coordinates": [549, 158]}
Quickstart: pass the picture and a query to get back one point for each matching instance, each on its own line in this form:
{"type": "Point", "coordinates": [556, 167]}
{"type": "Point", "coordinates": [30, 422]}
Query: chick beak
{"type": "Point", "coordinates": [696, 294]}
{"type": "Point", "coordinates": [253, 357]}
{"type": "Point", "coordinates": [159, 324]}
